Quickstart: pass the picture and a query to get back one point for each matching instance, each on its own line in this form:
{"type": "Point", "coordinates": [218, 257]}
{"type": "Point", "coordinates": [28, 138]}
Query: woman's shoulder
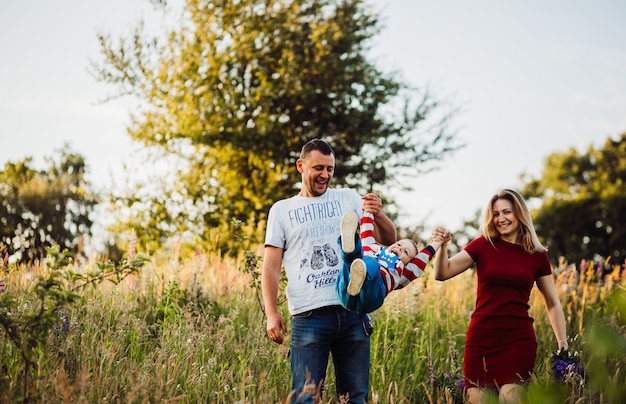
{"type": "Point", "coordinates": [476, 247]}
{"type": "Point", "coordinates": [478, 242]}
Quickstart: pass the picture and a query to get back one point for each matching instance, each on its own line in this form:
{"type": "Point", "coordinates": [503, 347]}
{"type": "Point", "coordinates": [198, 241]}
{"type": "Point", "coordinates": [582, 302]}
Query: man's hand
{"type": "Point", "coordinates": [276, 328]}
{"type": "Point", "coordinates": [372, 203]}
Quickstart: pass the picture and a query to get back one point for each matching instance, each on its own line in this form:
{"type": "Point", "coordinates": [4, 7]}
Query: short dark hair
{"type": "Point", "coordinates": [316, 144]}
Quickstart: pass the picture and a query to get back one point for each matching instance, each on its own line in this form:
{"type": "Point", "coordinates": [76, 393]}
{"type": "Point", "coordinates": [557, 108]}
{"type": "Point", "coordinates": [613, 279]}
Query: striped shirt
{"type": "Point", "coordinates": [393, 271]}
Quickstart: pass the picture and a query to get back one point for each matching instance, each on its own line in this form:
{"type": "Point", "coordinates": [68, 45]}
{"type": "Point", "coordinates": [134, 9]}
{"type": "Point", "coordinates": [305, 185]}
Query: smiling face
{"type": "Point", "coordinates": [317, 171]}
{"type": "Point", "coordinates": [505, 221]}
{"type": "Point", "coordinates": [405, 249]}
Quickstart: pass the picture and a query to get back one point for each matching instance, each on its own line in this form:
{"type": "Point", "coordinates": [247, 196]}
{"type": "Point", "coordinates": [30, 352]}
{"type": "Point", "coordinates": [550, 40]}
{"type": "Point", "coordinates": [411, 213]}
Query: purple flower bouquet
{"type": "Point", "coordinates": [566, 367]}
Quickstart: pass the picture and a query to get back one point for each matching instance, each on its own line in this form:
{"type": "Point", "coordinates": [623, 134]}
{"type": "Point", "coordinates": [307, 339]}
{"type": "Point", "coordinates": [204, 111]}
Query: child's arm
{"type": "Point", "coordinates": [440, 235]}
{"type": "Point", "coordinates": [419, 262]}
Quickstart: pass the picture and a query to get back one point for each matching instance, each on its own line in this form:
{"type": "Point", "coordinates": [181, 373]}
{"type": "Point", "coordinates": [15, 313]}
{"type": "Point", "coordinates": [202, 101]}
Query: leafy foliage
{"type": "Point", "coordinates": [239, 86]}
{"type": "Point", "coordinates": [583, 199]}
{"type": "Point", "coordinates": [39, 208]}
{"type": "Point", "coordinates": [28, 325]}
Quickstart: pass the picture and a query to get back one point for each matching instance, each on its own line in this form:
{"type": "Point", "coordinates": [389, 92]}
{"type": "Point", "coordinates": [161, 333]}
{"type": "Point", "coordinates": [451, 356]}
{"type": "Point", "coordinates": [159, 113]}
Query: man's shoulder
{"type": "Point", "coordinates": [342, 195]}
{"type": "Point", "coordinates": [343, 192]}
{"type": "Point", "coordinates": [285, 200]}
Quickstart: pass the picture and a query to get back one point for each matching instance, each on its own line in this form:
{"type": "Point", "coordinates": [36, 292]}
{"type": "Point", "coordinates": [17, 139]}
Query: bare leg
{"type": "Point", "coordinates": [512, 393]}
{"type": "Point", "coordinates": [476, 395]}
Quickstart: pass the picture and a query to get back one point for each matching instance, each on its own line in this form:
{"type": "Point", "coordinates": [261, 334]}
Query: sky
{"type": "Point", "coordinates": [531, 78]}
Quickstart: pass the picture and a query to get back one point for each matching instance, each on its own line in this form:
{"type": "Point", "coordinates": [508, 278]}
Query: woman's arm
{"type": "Point", "coordinates": [446, 268]}
{"type": "Point", "coordinates": [553, 306]}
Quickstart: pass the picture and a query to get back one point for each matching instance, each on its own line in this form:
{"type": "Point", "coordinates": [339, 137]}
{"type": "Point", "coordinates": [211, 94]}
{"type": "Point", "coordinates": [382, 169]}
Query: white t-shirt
{"type": "Point", "coordinates": [307, 229]}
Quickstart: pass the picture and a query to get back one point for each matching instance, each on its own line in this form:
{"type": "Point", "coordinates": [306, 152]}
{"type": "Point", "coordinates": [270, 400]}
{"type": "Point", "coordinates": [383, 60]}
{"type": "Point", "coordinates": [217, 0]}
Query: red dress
{"type": "Point", "coordinates": [500, 347]}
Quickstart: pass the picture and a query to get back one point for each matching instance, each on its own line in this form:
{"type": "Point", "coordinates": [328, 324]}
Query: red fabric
{"type": "Point", "coordinates": [422, 258]}
{"type": "Point", "coordinates": [501, 347]}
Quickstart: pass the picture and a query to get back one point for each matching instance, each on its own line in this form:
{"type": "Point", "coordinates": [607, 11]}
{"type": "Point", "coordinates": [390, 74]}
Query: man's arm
{"type": "Point", "coordinates": [270, 279]}
{"type": "Point", "coordinates": [385, 229]}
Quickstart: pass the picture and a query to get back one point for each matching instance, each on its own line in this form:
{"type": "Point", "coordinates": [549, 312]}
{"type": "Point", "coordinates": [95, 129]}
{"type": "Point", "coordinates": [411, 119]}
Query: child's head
{"type": "Point", "coordinates": [405, 249]}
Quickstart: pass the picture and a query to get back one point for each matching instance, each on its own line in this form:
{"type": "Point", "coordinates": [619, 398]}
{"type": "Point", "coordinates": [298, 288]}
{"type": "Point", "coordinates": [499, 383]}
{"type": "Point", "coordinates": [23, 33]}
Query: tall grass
{"type": "Point", "coordinates": [192, 330]}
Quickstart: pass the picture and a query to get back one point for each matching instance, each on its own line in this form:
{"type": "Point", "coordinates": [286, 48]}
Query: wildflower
{"type": "Point", "coordinates": [455, 380]}
{"type": "Point", "coordinates": [66, 323]}
{"type": "Point", "coordinates": [61, 327]}
{"type": "Point", "coordinates": [2, 286]}
{"type": "Point", "coordinates": [431, 373]}
{"type": "Point", "coordinates": [566, 367]}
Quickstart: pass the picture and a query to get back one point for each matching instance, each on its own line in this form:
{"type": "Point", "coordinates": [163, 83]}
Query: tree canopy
{"type": "Point", "coordinates": [583, 199]}
{"type": "Point", "coordinates": [237, 87]}
{"type": "Point", "coordinates": [39, 208]}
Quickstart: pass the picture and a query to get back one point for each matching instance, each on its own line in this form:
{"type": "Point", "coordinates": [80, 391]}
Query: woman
{"type": "Point", "coordinates": [501, 347]}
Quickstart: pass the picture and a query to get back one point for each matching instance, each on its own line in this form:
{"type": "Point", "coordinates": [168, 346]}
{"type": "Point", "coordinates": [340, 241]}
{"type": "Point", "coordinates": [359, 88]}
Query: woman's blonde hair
{"type": "Point", "coordinates": [527, 235]}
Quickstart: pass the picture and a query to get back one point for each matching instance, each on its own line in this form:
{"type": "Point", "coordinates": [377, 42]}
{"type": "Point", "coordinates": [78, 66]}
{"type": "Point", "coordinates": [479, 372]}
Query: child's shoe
{"type": "Point", "coordinates": [347, 228]}
{"type": "Point", "coordinates": [357, 276]}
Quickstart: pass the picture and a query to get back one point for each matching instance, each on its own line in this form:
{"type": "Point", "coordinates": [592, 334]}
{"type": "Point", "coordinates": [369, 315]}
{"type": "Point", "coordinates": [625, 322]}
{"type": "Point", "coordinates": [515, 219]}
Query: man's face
{"type": "Point", "coordinates": [317, 171]}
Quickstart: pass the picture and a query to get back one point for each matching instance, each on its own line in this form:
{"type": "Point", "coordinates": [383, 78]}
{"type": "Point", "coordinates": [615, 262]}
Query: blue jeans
{"type": "Point", "coordinates": [342, 333]}
{"type": "Point", "coordinates": [373, 292]}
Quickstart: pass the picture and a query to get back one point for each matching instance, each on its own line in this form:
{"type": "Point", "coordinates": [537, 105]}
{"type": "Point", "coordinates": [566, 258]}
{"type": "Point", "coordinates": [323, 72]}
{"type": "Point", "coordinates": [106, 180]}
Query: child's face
{"type": "Point", "coordinates": [404, 249]}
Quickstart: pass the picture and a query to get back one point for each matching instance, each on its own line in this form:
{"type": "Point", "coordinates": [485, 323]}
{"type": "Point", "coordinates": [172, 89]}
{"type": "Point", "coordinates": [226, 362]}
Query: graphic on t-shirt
{"type": "Point", "coordinates": [317, 259]}
{"type": "Point", "coordinates": [304, 264]}
{"type": "Point", "coordinates": [331, 256]}
{"type": "Point", "coordinates": [314, 213]}
{"type": "Point", "coordinates": [324, 255]}
{"type": "Point", "coordinates": [386, 258]}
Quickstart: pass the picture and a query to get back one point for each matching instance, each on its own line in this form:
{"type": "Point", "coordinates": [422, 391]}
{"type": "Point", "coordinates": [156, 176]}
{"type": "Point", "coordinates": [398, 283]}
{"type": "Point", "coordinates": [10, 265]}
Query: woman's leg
{"type": "Point", "coordinates": [512, 393]}
{"type": "Point", "coordinates": [476, 395]}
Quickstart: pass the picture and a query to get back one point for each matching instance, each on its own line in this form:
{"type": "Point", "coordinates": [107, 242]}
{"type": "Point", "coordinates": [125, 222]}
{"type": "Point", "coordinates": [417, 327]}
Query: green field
{"type": "Point", "coordinates": [191, 330]}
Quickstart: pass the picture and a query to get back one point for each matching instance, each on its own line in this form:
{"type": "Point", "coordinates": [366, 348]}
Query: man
{"type": "Point", "coordinates": [302, 234]}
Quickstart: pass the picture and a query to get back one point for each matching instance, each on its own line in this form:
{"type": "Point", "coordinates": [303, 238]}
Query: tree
{"type": "Point", "coordinates": [239, 86]}
{"type": "Point", "coordinates": [40, 208]}
{"type": "Point", "coordinates": [583, 202]}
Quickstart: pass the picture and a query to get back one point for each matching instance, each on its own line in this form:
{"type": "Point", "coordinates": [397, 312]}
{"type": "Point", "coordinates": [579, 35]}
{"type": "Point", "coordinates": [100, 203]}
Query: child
{"type": "Point", "coordinates": [371, 271]}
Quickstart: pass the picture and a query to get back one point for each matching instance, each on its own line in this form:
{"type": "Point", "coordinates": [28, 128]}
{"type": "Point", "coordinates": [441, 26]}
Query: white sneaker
{"type": "Point", "coordinates": [347, 229]}
{"type": "Point", "coordinates": [357, 276]}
